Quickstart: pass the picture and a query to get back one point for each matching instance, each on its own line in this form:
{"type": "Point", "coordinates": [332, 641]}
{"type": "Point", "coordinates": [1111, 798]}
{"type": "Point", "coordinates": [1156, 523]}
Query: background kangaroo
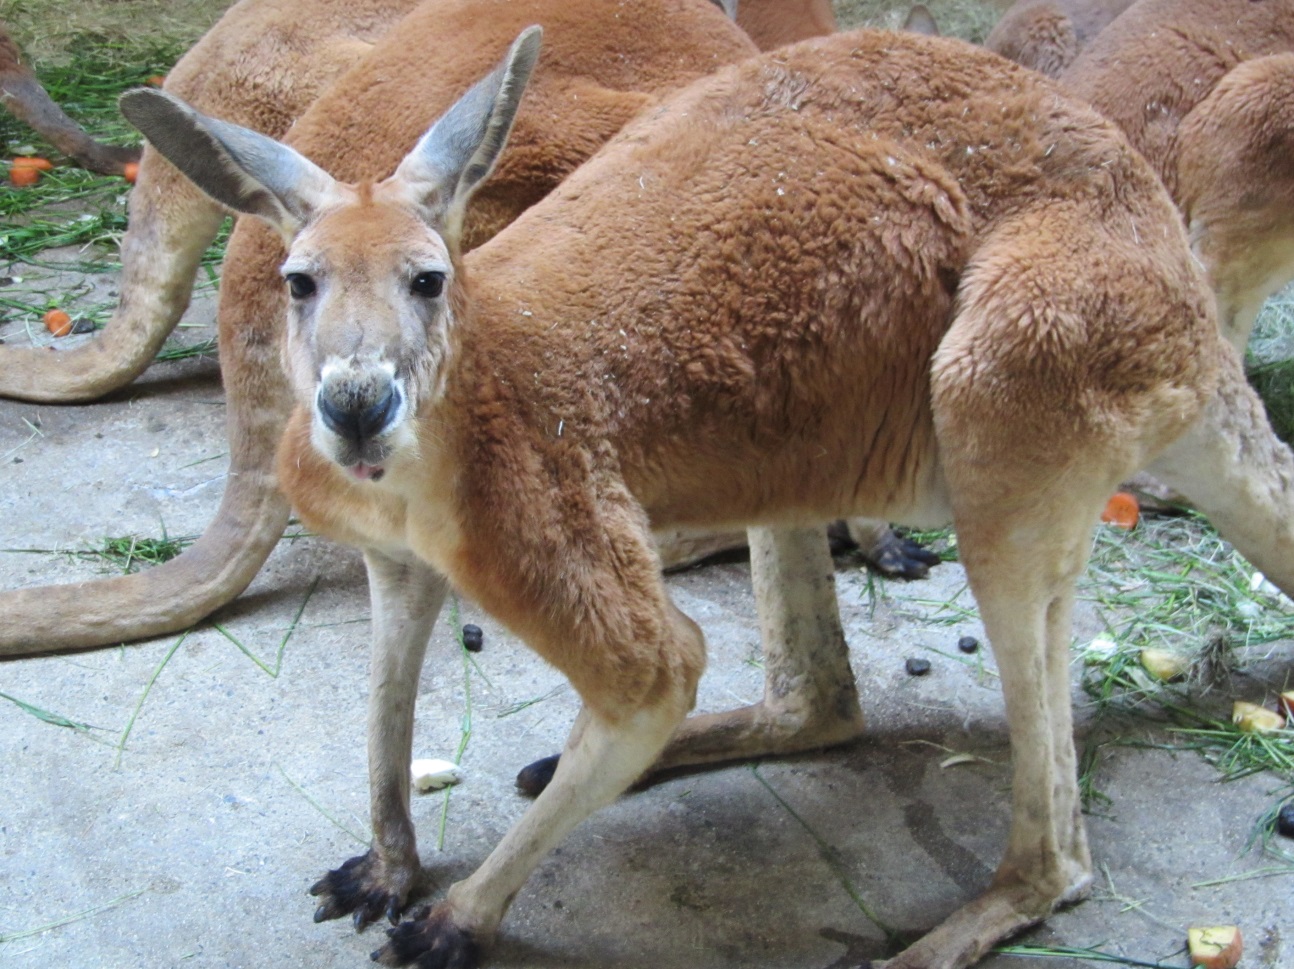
{"type": "Point", "coordinates": [1008, 335]}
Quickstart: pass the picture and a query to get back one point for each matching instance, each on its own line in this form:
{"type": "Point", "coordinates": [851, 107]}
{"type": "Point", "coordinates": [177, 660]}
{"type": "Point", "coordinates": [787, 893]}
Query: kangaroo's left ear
{"type": "Point", "coordinates": [460, 150]}
{"type": "Point", "coordinates": [237, 167]}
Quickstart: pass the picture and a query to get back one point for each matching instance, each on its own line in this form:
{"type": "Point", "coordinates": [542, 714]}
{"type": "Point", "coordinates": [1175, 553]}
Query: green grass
{"type": "Point", "coordinates": [128, 553]}
{"type": "Point", "coordinates": [966, 19]}
{"type": "Point", "coordinates": [1270, 361]}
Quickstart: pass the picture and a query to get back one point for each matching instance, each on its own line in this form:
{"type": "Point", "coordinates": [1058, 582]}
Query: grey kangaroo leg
{"type": "Point", "coordinates": [407, 597]}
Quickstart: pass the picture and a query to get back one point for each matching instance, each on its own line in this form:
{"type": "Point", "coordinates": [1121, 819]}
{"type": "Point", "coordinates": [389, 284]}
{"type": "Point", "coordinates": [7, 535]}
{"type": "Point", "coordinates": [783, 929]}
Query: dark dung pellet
{"type": "Point", "coordinates": [473, 638]}
{"type": "Point", "coordinates": [1285, 819]}
{"type": "Point", "coordinates": [968, 644]}
{"type": "Point", "coordinates": [917, 666]}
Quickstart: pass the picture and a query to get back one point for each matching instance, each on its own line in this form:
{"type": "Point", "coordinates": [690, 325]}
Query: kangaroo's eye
{"type": "Point", "coordinates": [300, 285]}
{"type": "Point", "coordinates": [429, 284]}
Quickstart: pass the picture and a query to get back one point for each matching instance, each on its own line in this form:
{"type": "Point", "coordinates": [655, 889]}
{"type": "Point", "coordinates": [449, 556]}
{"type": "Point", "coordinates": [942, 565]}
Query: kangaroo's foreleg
{"type": "Point", "coordinates": [810, 700]}
{"type": "Point", "coordinates": [406, 597]}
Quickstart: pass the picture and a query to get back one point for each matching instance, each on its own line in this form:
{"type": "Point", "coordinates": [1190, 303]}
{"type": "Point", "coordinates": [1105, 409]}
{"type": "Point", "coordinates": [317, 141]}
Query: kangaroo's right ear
{"type": "Point", "coordinates": [239, 168]}
{"type": "Point", "coordinates": [452, 159]}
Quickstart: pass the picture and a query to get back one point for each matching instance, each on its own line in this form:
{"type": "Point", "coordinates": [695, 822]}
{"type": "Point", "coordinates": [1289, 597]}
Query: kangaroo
{"type": "Point", "coordinates": [660, 45]}
{"type": "Point", "coordinates": [1048, 34]}
{"type": "Point", "coordinates": [1205, 90]}
{"type": "Point", "coordinates": [871, 274]}
{"type": "Point", "coordinates": [261, 65]}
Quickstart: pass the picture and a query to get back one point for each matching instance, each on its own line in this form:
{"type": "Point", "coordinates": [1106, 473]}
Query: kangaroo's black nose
{"type": "Point", "coordinates": [356, 424]}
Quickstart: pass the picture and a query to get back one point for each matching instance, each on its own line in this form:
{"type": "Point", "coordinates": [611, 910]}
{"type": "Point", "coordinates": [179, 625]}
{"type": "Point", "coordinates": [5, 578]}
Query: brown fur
{"type": "Point", "coordinates": [597, 73]}
{"type": "Point", "coordinates": [1048, 34]}
{"type": "Point", "coordinates": [839, 286]}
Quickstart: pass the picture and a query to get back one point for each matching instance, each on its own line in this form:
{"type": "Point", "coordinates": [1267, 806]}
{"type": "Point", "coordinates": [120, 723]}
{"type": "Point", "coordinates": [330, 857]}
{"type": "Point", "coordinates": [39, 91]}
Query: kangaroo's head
{"type": "Point", "coordinates": [370, 270]}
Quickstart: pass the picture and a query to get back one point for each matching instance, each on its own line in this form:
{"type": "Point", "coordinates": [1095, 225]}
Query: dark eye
{"type": "Point", "coordinates": [429, 284]}
{"type": "Point", "coordinates": [300, 285]}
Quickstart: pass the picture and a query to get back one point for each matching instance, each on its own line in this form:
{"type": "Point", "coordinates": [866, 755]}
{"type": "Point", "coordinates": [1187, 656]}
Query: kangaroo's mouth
{"type": "Point", "coordinates": [367, 472]}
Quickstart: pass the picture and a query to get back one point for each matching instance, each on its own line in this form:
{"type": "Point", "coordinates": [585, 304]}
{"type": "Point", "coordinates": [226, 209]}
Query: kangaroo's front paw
{"type": "Point", "coordinates": [430, 940]}
{"type": "Point", "coordinates": [366, 887]}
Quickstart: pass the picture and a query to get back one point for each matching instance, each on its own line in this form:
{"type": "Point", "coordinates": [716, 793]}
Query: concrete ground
{"type": "Point", "coordinates": [237, 789]}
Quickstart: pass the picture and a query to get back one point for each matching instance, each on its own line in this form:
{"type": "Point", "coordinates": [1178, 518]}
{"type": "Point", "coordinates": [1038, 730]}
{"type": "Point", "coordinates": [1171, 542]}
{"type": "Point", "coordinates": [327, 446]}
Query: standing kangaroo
{"type": "Point", "coordinates": [869, 275]}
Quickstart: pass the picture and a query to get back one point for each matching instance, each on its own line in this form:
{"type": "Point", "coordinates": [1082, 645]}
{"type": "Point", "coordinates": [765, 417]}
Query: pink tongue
{"type": "Point", "coordinates": [366, 471]}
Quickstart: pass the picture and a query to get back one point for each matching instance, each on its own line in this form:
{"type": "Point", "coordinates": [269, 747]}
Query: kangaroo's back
{"type": "Point", "coordinates": [817, 221]}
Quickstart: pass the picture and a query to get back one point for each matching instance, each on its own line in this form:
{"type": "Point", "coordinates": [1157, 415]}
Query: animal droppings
{"type": "Point", "coordinates": [968, 644]}
{"type": "Point", "coordinates": [1285, 820]}
{"type": "Point", "coordinates": [917, 666]}
{"type": "Point", "coordinates": [473, 638]}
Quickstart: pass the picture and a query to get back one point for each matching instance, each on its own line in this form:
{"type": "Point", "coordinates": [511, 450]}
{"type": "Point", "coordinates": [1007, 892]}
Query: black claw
{"type": "Point", "coordinates": [532, 779]}
{"type": "Point", "coordinates": [431, 940]}
{"type": "Point", "coordinates": [321, 913]}
{"type": "Point", "coordinates": [393, 912]}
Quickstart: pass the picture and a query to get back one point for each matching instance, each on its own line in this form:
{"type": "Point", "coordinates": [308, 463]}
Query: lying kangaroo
{"type": "Point", "coordinates": [872, 274]}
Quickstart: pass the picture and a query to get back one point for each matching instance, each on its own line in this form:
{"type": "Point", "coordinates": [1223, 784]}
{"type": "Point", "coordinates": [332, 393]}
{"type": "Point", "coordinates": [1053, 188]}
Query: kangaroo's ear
{"type": "Point", "coordinates": [239, 168]}
{"type": "Point", "coordinates": [729, 7]}
{"type": "Point", "coordinates": [460, 150]}
{"type": "Point", "coordinates": [921, 21]}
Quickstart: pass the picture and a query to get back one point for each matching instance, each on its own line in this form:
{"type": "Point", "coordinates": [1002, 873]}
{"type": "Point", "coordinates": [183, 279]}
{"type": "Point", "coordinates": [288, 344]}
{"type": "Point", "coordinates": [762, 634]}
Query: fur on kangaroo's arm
{"type": "Point", "coordinates": [871, 274]}
{"type": "Point", "coordinates": [579, 98]}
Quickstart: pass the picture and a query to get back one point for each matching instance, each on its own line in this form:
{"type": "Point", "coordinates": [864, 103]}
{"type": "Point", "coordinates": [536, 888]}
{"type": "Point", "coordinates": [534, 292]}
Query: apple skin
{"type": "Point", "coordinates": [1215, 946]}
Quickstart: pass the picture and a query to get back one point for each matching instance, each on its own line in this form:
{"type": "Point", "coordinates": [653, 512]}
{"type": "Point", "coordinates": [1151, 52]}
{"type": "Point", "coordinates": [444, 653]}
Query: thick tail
{"type": "Point", "coordinates": [23, 95]}
{"type": "Point", "coordinates": [171, 225]}
{"type": "Point", "coordinates": [252, 514]}
{"type": "Point", "coordinates": [164, 599]}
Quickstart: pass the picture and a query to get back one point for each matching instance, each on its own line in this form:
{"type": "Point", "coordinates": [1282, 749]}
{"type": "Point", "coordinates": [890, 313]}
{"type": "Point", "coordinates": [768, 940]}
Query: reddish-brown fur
{"type": "Point", "coordinates": [597, 73]}
{"type": "Point", "coordinates": [823, 283]}
{"type": "Point", "coordinates": [1048, 34]}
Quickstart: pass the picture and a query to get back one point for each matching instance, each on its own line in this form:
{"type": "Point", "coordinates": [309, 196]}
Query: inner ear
{"type": "Point", "coordinates": [460, 149]}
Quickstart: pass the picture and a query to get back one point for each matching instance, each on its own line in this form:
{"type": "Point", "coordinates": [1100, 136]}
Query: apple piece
{"type": "Point", "coordinates": [1215, 946]}
{"type": "Point", "coordinates": [1252, 718]}
{"type": "Point", "coordinates": [431, 775]}
{"type": "Point", "coordinates": [1164, 664]}
{"type": "Point", "coordinates": [1286, 703]}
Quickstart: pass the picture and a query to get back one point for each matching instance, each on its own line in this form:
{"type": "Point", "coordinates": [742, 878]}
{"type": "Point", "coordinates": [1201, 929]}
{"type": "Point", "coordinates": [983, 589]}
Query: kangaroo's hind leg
{"type": "Point", "coordinates": [810, 698]}
{"type": "Point", "coordinates": [1234, 468]}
